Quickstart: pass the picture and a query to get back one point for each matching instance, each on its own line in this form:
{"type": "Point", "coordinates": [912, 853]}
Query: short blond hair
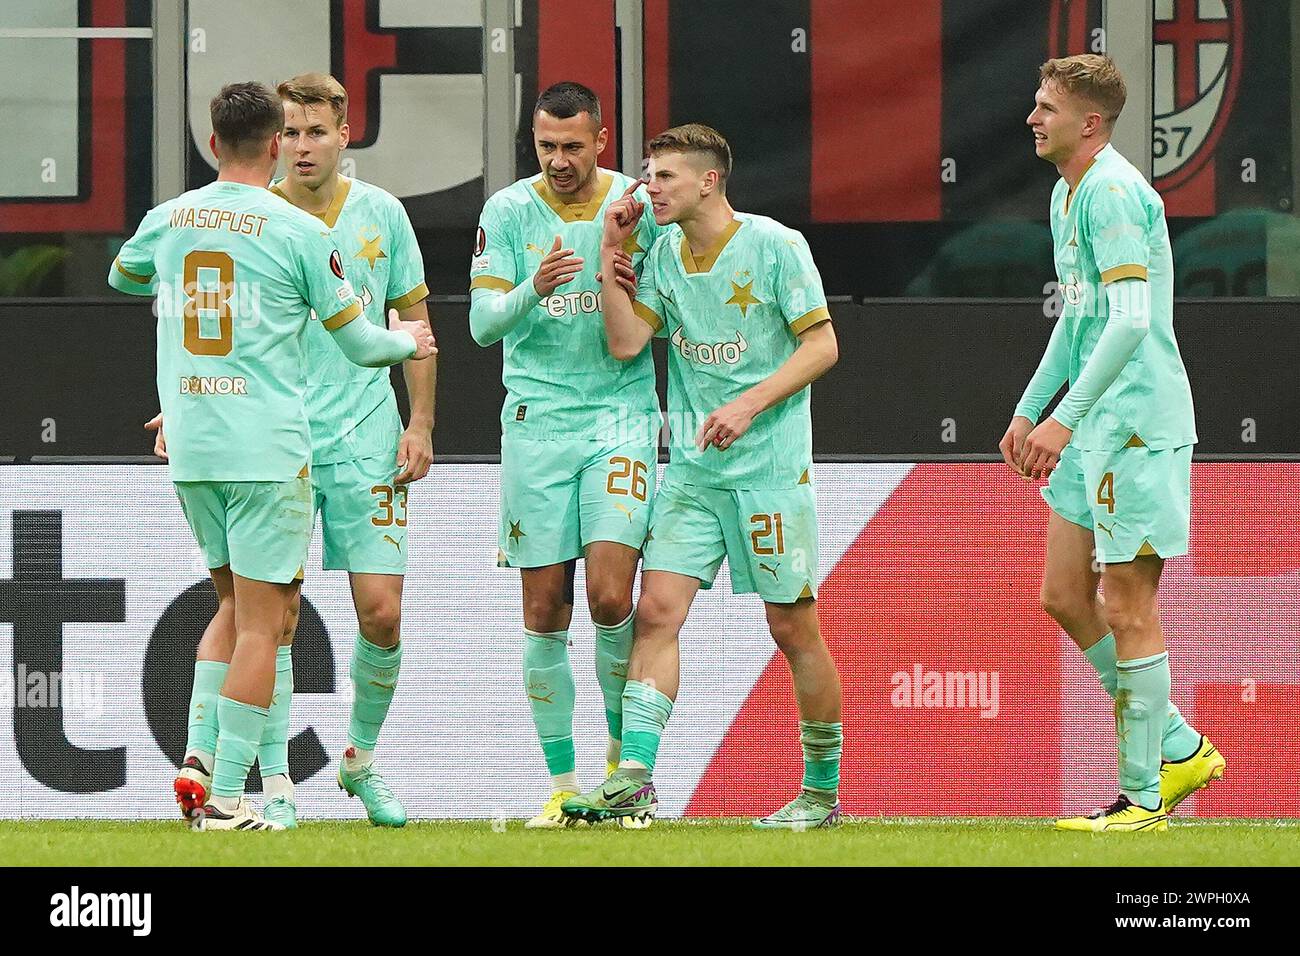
{"type": "Point", "coordinates": [312, 89]}
{"type": "Point", "coordinates": [696, 138]}
{"type": "Point", "coordinates": [1096, 78]}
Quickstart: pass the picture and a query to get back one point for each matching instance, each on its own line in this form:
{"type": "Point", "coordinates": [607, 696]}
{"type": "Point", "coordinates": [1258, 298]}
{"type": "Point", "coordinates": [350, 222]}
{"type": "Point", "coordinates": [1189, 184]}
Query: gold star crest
{"type": "Point", "coordinates": [370, 250]}
{"type": "Point", "coordinates": [631, 246]}
{"type": "Point", "coordinates": [515, 532]}
{"type": "Point", "coordinates": [743, 297]}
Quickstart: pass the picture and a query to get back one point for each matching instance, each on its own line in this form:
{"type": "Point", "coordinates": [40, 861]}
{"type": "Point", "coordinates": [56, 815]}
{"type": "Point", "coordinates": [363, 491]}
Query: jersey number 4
{"type": "Point", "coordinates": [203, 298]}
{"type": "Point", "coordinates": [1106, 492]}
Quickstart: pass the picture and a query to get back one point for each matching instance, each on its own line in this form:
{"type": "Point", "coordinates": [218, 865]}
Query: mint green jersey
{"type": "Point", "coordinates": [1113, 227]}
{"type": "Point", "coordinates": [732, 317]}
{"type": "Point", "coordinates": [561, 381]}
{"type": "Point", "coordinates": [236, 272]}
{"type": "Point", "coordinates": [352, 409]}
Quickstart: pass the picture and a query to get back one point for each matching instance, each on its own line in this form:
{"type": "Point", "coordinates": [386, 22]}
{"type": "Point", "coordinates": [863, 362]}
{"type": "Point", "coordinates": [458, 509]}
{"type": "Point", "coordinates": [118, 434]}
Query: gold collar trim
{"type": "Point", "coordinates": [696, 264]}
{"type": "Point", "coordinates": [575, 211]}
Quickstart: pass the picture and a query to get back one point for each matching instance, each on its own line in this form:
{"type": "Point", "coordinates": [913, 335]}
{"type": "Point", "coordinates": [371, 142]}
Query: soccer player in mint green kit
{"type": "Point", "coordinates": [741, 303]}
{"type": "Point", "coordinates": [362, 460]}
{"type": "Point", "coordinates": [237, 272]}
{"type": "Point", "coordinates": [1118, 446]}
{"type": "Point", "coordinates": [579, 428]}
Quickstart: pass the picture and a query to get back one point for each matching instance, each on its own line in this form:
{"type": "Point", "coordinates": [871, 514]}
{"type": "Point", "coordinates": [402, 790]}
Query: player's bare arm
{"type": "Point", "coordinates": [818, 351]}
{"type": "Point", "coordinates": [626, 334]}
{"type": "Point", "coordinates": [415, 448]}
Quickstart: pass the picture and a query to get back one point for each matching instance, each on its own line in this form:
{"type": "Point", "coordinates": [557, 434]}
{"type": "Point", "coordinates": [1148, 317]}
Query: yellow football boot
{"type": "Point", "coordinates": [551, 816]}
{"type": "Point", "coordinates": [1122, 816]}
{"type": "Point", "coordinates": [1179, 780]}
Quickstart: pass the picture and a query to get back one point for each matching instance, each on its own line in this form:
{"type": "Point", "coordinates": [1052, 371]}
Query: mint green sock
{"type": "Point", "coordinates": [548, 681]}
{"type": "Point", "coordinates": [241, 732]}
{"type": "Point", "coordinates": [374, 680]}
{"type": "Point", "coordinates": [1141, 708]}
{"type": "Point", "coordinates": [645, 716]}
{"type": "Point", "coordinates": [613, 648]}
{"type": "Point", "coordinates": [203, 724]}
{"type": "Point", "coordinates": [822, 744]}
{"type": "Point", "coordinates": [273, 754]}
{"type": "Point", "coordinates": [1179, 740]}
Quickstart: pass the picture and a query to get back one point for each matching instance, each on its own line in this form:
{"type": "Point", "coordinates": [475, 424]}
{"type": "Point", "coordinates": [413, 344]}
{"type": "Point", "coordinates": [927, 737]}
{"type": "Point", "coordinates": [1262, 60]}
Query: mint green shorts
{"type": "Point", "coordinates": [362, 515]}
{"type": "Point", "coordinates": [1136, 501]}
{"type": "Point", "coordinates": [767, 535]}
{"type": "Point", "coordinates": [260, 528]}
{"type": "Point", "coordinates": [559, 496]}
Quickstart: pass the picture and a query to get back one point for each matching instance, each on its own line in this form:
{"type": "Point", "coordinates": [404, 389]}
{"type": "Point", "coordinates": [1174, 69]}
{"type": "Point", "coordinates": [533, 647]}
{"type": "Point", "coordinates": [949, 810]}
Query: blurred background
{"type": "Point", "coordinates": [892, 134]}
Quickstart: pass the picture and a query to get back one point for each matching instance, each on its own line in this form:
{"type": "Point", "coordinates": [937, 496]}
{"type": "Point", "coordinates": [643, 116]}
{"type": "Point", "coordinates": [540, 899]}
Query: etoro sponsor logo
{"type": "Point", "coordinates": [571, 303]}
{"type": "Point", "coordinates": [705, 353]}
{"type": "Point", "coordinates": [948, 690]}
{"type": "Point", "coordinates": [213, 385]}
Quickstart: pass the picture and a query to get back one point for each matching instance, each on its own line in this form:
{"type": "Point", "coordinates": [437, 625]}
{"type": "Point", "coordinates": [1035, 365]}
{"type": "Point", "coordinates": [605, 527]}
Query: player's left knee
{"type": "Point", "coordinates": [1127, 616]}
{"type": "Point", "coordinates": [609, 605]}
{"type": "Point", "coordinates": [381, 622]}
{"type": "Point", "coordinates": [791, 633]}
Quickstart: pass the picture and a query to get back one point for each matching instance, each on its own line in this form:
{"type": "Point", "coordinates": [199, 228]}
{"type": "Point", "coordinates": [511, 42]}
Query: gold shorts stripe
{"type": "Point", "coordinates": [490, 282]}
{"type": "Point", "coordinates": [809, 319]}
{"type": "Point", "coordinates": [143, 280]}
{"type": "Point", "coordinates": [414, 297]}
{"type": "Point", "coordinates": [340, 319]}
{"type": "Point", "coordinates": [647, 315]}
{"type": "Point", "coordinates": [1132, 271]}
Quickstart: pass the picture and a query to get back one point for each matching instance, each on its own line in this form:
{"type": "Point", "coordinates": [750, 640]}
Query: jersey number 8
{"type": "Point", "coordinates": [208, 300]}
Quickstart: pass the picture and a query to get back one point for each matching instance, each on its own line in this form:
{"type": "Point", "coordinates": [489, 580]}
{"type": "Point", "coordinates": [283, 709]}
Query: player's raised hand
{"type": "Point", "coordinates": [725, 425]}
{"type": "Point", "coordinates": [622, 216]}
{"type": "Point", "coordinates": [624, 274]}
{"type": "Point", "coordinates": [425, 344]}
{"type": "Point", "coordinates": [1043, 447]}
{"type": "Point", "coordinates": [558, 267]}
{"type": "Point", "coordinates": [1014, 441]}
{"type": "Point", "coordinates": [155, 424]}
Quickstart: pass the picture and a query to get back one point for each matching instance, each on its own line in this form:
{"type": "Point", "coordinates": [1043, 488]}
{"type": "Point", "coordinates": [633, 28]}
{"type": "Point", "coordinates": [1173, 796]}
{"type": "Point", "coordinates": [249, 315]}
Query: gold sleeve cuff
{"type": "Point", "coordinates": [416, 295]}
{"type": "Point", "coordinates": [143, 280]}
{"type": "Point", "coordinates": [340, 319]}
{"type": "Point", "coordinates": [490, 282]}
{"type": "Point", "coordinates": [1124, 272]}
{"type": "Point", "coordinates": [647, 315]}
{"type": "Point", "coordinates": [809, 319]}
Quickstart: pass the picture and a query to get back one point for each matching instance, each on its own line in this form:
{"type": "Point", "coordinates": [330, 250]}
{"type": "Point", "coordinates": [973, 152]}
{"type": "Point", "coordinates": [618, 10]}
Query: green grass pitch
{"type": "Point", "coordinates": [868, 842]}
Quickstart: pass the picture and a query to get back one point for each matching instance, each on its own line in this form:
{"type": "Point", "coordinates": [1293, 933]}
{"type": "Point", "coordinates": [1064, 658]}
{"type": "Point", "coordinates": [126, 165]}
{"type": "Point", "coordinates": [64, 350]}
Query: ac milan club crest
{"type": "Point", "coordinates": [1197, 56]}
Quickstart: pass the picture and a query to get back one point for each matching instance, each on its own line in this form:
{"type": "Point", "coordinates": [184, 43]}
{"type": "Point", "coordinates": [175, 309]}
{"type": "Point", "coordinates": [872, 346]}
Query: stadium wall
{"type": "Point", "coordinates": [961, 697]}
{"type": "Point", "coordinates": [916, 378]}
